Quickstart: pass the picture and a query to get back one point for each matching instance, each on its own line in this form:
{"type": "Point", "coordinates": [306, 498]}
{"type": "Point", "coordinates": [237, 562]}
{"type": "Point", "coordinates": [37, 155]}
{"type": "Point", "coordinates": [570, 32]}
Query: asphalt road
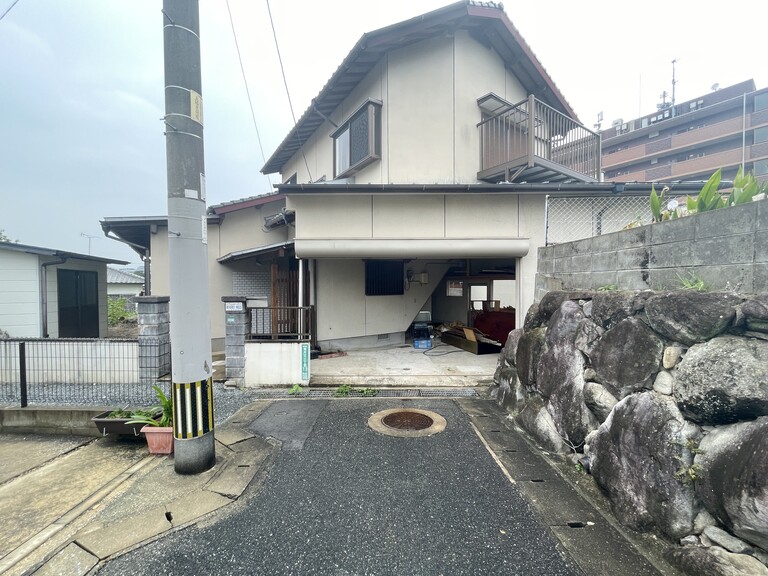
{"type": "Point", "coordinates": [344, 500]}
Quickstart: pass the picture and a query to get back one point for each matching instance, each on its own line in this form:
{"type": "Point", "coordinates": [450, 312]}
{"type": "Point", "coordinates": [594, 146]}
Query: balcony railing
{"type": "Point", "coordinates": [281, 323]}
{"type": "Point", "coordinates": [533, 142]}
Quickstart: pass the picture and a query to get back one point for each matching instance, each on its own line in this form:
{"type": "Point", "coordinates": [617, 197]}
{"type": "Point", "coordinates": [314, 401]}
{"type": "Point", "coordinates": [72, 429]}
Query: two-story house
{"type": "Point", "coordinates": [415, 181]}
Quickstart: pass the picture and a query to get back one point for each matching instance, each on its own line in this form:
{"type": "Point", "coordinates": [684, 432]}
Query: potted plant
{"type": "Point", "coordinates": [158, 429]}
{"type": "Point", "coordinates": [117, 421]}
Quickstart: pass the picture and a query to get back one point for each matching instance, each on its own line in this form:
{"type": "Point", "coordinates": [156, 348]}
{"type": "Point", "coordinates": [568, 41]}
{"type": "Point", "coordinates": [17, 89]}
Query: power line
{"type": "Point", "coordinates": [247, 91]}
{"type": "Point", "coordinates": [288, 93]}
{"type": "Point", "coordinates": [9, 9]}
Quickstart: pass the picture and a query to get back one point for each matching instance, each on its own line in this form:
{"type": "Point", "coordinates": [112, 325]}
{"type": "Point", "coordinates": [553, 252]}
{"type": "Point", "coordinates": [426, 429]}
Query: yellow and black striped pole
{"type": "Point", "coordinates": [192, 409]}
{"type": "Point", "coordinates": [194, 446]}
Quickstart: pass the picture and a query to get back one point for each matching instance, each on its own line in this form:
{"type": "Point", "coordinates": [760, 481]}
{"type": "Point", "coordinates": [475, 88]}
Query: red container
{"type": "Point", "coordinates": [159, 439]}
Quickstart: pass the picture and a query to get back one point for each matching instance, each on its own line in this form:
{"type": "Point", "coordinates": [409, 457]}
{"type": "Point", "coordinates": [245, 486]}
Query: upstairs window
{"type": "Point", "coordinates": [357, 142]}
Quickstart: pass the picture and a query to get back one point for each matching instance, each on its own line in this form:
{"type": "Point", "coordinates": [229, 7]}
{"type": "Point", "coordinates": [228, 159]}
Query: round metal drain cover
{"type": "Point", "coordinates": [407, 422]}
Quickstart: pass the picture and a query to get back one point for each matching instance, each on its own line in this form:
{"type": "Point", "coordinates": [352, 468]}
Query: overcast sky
{"type": "Point", "coordinates": [81, 89]}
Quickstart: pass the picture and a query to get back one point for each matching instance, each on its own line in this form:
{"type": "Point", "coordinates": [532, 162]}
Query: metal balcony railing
{"type": "Point", "coordinates": [532, 142]}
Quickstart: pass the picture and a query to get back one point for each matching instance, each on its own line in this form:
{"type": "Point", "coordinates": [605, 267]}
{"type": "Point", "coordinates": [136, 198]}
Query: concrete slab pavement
{"type": "Point", "coordinates": [76, 507]}
{"type": "Point", "coordinates": [405, 366]}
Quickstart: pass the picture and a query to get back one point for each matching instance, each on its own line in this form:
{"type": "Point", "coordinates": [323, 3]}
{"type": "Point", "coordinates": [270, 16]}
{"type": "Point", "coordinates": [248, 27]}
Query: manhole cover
{"type": "Point", "coordinates": [407, 422]}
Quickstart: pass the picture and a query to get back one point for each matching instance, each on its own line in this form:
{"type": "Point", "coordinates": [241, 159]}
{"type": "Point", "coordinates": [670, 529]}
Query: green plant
{"type": "Point", "coordinates": [118, 310]}
{"type": "Point", "coordinates": [295, 389]}
{"type": "Point", "coordinates": [688, 474]}
{"type": "Point", "coordinates": [342, 390]}
{"type": "Point", "coordinates": [692, 282]}
{"type": "Point", "coordinates": [159, 415]}
{"type": "Point", "coordinates": [745, 188]}
{"type": "Point", "coordinates": [709, 198]}
{"type": "Point", "coordinates": [367, 391]}
{"type": "Point", "coordinates": [656, 202]}
{"type": "Point", "coordinates": [608, 288]}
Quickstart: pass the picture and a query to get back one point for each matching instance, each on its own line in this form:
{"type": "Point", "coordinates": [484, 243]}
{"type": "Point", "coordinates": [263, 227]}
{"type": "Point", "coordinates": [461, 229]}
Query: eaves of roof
{"type": "Point", "coordinates": [555, 189]}
{"type": "Point", "coordinates": [486, 21]}
{"type": "Point", "coordinates": [52, 252]}
{"type": "Point", "coordinates": [136, 230]}
{"type": "Point", "coordinates": [243, 203]}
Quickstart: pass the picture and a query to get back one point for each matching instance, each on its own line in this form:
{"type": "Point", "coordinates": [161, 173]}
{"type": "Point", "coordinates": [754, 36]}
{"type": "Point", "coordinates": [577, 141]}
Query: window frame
{"type": "Point", "coordinates": [371, 108]}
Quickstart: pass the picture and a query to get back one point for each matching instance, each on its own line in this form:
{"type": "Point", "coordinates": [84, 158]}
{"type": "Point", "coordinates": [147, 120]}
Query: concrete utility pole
{"type": "Point", "coordinates": [194, 447]}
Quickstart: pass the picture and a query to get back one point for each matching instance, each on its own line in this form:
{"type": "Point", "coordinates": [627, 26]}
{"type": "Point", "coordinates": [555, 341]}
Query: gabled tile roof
{"type": "Point", "coordinates": [485, 20]}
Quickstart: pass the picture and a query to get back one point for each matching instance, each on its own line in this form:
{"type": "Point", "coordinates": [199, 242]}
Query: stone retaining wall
{"type": "Point", "coordinates": [663, 398]}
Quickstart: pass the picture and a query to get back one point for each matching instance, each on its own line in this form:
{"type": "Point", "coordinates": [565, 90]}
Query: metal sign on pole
{"type": "Point", "coordinates": [192, 371]}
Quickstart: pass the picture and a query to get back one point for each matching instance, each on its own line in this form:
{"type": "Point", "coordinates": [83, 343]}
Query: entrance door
{"type": "Point", "coordinates": [78, 304]}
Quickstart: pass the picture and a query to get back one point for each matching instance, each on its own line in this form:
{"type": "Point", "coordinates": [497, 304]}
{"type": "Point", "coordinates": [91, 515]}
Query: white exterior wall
{"type": "Point", "coordinates": [20, 294]}
{"type": "Point", "coordinates": [240, 230]}
{"type": "Point", "coordinates": [344, 311]}
{"type": "Point", "coordinates": [276, 364]}
{"type": "Point", "coordinates": [429, 114]}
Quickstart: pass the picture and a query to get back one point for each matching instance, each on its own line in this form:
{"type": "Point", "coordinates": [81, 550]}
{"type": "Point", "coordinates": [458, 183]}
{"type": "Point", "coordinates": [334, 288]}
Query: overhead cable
{"type": "Point", "coordinates": [288, 93]}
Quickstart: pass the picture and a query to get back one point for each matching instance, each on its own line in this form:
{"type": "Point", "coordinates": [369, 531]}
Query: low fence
{"type": "Point", "coordinates": [281, 323]}
{"type": "Point", "coordinates": [72, 371]}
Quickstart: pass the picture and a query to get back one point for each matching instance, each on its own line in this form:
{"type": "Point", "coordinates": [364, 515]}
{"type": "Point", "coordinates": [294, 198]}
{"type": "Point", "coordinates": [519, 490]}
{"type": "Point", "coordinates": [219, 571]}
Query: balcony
{"type": "Point", "coordinates": [532, 142]}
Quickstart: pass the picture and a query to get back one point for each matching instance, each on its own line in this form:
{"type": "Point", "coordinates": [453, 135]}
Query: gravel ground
{"type": "Point", "coordinates": [227, 401]}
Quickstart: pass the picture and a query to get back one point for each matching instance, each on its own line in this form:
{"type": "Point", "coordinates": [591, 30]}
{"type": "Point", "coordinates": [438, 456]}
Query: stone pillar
{"type": "Point", "coordinates": [154, 338]}
{"type": "Point", "coordinates": [237, 327]}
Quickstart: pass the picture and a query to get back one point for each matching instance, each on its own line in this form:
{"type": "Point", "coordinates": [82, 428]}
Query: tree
{"type": "Point", "coordinates": [4, 238]}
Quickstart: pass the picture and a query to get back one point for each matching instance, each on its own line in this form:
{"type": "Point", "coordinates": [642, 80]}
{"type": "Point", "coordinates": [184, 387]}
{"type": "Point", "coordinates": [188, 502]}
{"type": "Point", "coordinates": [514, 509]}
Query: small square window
{"type": "Point", "coordinates": [357, 142]}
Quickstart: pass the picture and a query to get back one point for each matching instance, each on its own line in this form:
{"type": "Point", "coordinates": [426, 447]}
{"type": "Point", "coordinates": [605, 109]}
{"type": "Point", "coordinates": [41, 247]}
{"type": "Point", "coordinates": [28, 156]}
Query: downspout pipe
{"type": "Point", "coordinates": [44, 292]}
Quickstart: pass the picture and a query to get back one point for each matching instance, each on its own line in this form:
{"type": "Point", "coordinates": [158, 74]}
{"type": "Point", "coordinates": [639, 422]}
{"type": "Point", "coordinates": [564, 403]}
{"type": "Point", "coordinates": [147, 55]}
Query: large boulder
{"type": "Point", "coordinates": [505, 367]}
{"type": "Point", "coordinates": [610, 308]}
{"type": "Point", "coordinates": [560, 375]}
{"type": "Point", "coordinates": [688, 316]}
{"type": "Point", "coordinates": [538, 422]}
{"type": "Point", "coordinates": [627, 357]}
{"type": "Point", "coordinates": [529, 349]}
{"type": "Point", "coordinates": [715, 561]}
{"type": "Point", "coordinates": [588, 335]}
{"type": "Point", "coordinates": [560, 359]}
{"type": "Point", "coordinates": [539, 314]}
{"type": "Point", "coordinates": [599, 400]}
{"type": "Point", "coordinates": [724, 380]}
{"type": "Point", "coordinates": [641, 456]}
{"type": "Point", "coordinates": [755, 311]}
{"type": "Point", "coordinates": [734, 478]}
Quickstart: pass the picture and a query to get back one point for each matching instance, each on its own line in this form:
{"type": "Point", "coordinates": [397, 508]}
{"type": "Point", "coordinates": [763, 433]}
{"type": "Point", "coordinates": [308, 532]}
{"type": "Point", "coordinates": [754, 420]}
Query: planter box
{"type": "Point", "coordinates": [159, 439]}
{"type": "Point", "coordinates": [117, 426]}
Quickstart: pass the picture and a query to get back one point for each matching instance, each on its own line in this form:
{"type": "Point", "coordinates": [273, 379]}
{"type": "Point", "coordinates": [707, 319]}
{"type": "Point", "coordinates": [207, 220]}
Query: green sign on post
{"type": "Point", "coordinates": [305, 361]}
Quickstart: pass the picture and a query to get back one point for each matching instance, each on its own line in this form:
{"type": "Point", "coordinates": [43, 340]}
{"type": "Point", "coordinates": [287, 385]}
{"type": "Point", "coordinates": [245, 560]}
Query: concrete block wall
{"type": "Point", "coordinates": [253, 283]}
{"type": "Point", "coordinates": [154, 337]}
{"type": "Point", "coordinates": [726, 248]}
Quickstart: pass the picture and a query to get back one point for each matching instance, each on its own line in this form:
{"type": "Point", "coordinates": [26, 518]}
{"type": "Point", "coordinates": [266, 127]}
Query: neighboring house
{"type": "Point", "coordinates": [52, 293]}
{"type": "Point", "coordinates": [691, 140]}
{"type": "Point", "coordinates": [416, 180]}
{"type": "Point", "coordinates": [122, 283]}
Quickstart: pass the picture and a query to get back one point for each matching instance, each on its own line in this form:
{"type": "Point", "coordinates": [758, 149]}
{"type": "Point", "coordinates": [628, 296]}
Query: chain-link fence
{"type": "Point", "coordinates": [578, 217]}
